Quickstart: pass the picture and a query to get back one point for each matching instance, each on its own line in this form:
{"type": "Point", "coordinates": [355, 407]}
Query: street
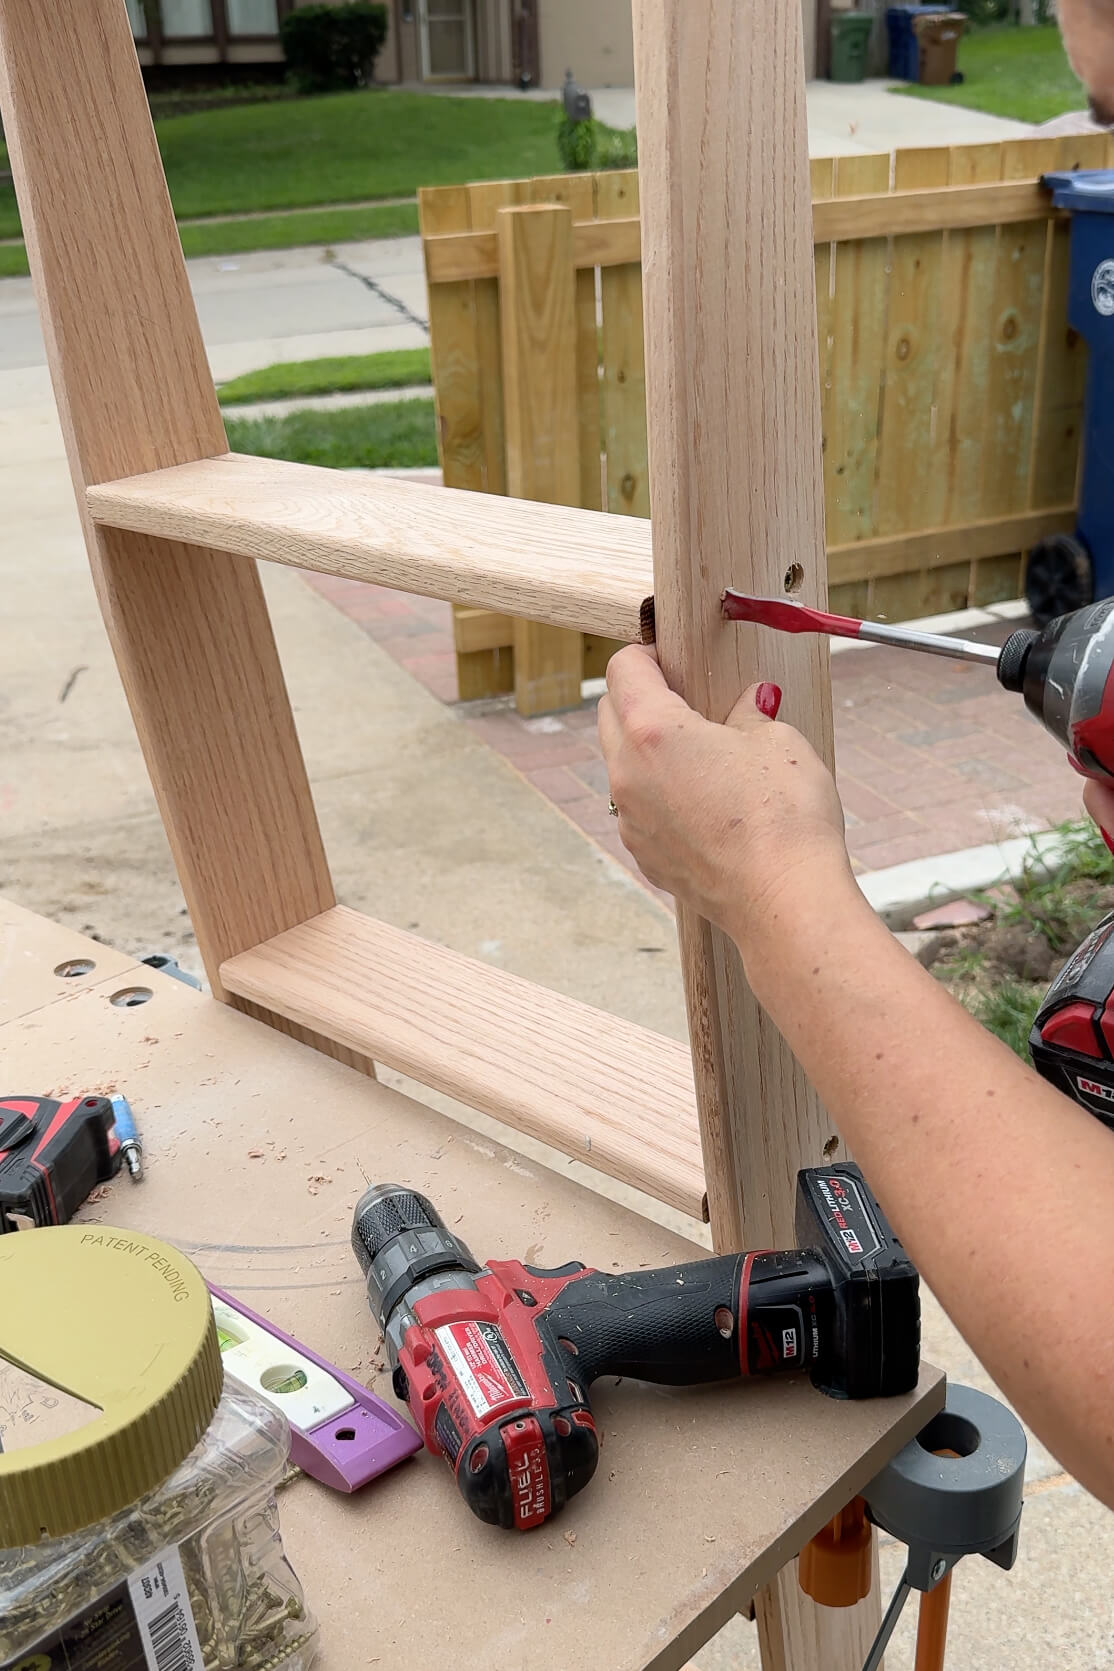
{"type": "Point", "coordinates": [272, 305]}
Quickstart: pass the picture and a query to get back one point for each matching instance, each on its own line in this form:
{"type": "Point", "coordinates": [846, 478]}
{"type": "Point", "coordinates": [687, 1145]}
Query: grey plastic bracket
{"type": "Point", "coordinates": [945, 1507]}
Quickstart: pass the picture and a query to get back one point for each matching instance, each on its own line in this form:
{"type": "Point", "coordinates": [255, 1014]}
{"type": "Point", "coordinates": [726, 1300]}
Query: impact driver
{"type": "Point", "coordinates": [496, 1361]}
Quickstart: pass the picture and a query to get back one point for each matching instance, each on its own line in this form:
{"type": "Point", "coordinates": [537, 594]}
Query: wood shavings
{"type": "Point", "coordinates": [570, 1538]}
{"type": "Point", "coordinates": [253, 1154]}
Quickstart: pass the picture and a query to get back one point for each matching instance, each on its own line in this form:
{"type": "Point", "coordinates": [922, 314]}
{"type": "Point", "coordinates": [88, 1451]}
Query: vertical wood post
{"type": "Point", "coordinates": [737, 498]}
{"type": "Point", "coordinates": [537, 296]}
{"type": "Point", "coordinates": [189, 627]}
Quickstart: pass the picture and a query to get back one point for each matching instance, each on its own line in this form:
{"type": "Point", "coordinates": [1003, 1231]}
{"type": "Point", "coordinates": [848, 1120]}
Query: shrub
{"type": "Point", "coordinates": [591, 144]}
{"type": "Point", "coordinates": [576, 143]}
{"type": "Point", "coordinates": [332, 48]}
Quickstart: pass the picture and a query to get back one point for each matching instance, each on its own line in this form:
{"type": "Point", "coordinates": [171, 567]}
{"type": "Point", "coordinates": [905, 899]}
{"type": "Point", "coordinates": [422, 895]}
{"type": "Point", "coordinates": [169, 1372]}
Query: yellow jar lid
{"type": "Point", "coordinates": [113, 1320]}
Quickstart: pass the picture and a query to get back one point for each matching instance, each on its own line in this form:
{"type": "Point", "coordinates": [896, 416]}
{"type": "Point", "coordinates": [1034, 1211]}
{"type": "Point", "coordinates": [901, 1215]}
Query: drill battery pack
{"type": "Point", "coordinates": [1072, 1041]}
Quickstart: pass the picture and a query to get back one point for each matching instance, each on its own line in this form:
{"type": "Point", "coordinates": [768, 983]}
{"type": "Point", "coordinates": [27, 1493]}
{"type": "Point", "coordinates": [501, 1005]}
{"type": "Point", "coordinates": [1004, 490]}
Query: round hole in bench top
{"type": "Point", "coordinates": [75, 966]}
{"type": "Point", "coordinates": [129, 996]}
{"type": "Point", "coordinates": [948, 1431]}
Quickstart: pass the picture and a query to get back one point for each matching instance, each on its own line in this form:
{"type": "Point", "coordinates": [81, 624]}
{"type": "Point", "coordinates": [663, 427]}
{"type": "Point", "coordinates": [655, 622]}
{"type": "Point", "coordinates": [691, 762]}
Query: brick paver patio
{"type": "Point", "coordinates": [931, 755]}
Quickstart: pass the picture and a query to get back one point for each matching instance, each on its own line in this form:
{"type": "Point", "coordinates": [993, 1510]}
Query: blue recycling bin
{"type": "Point", "coordinates": [1067, 571]}
{"type": "Point", "coordinates": [905, 52]}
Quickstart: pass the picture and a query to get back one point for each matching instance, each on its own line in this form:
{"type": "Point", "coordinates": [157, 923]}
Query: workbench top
{"type": "Point", "coordinates": [255, 1151]}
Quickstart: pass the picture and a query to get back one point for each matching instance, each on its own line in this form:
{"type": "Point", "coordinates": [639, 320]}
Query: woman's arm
{"type": "Point", "coordinates": [1001, 1189]}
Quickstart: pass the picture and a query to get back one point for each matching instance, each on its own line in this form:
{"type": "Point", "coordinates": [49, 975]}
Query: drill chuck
{"type": "Point", "coordinates": [1013, 657]}
{"type": "Point", "coordinates": [399, 1239]}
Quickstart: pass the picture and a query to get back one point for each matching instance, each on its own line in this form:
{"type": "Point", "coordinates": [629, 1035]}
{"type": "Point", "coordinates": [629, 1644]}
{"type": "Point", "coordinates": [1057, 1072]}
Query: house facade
{"type": "Point", "coordinates": [432, 41]}
{"type": "Point", "coordinates": [514, 42]}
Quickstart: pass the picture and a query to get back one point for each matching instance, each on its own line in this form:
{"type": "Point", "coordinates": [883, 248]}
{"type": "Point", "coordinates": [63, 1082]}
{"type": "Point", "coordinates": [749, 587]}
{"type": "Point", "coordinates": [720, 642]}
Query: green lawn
{"type": "Point", "coordinates": [398, 433]}
{"type": "Point", "coordinates": [1023, 73]}
{"type": "Point", "coordinates": [306, 226]}
{"type": "Point", "coordinates": [395, 368]}
{"type": "Point", "coordinates": [340, 148]}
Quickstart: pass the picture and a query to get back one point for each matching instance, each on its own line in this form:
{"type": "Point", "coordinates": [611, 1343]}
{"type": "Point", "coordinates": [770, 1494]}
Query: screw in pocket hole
{"type": "Point", "coordinates": [129, 996]}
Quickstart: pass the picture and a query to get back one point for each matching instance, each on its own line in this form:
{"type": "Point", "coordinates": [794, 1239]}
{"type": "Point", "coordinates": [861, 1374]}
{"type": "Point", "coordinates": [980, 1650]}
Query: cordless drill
{"type": "Point", "coordinates": [496, 1361]}
{"type": "Point", "coordinates": [1065, 672]}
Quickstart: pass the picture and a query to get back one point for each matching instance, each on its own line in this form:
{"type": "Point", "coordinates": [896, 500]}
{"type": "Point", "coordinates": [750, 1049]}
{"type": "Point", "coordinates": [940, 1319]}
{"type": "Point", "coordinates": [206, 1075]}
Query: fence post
{"type": "Point", "coordinates": [537, 299]}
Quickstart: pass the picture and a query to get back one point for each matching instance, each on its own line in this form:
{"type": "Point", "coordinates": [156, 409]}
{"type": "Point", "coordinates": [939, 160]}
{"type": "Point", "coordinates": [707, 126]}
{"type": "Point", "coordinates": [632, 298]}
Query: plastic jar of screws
{"type": "Point", "coordinates": [138, 1523]}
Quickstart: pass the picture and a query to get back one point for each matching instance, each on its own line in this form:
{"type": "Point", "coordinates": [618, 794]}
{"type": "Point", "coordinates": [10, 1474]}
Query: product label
{"type": "Point", "coordinates": [850, 1217]}
{"type": "Point", "coordinates": [1092, 1088]}
{"type": "Point", "coordinates": [447, 1434]}
{"type": "Point", "coordinates": [528, 1472]}
{"type": "Point", "coordinates": [478, 1357]}
{"type": "Point", "coordinates": [163, 1613]}
{"type": "Point", "coordinates": [143, 1624]}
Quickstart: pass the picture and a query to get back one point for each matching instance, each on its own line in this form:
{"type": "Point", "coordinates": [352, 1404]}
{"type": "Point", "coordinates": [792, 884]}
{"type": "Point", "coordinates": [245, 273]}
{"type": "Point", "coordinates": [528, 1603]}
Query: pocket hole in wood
{"type": "Point", "coordinates": [129, 996]}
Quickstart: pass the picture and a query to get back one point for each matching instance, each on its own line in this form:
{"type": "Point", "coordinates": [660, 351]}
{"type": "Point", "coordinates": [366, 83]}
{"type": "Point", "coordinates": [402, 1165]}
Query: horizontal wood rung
{"type": "Point", "coordinates": [931, 548]}
{"type": "Point", "coordinates": [555, 564]}
{"type": "Point", "coordinates": [454, 256]}
{"type": "Point", "coordinates": [603, 1091]}
{"type": "Point", "coordinates": [932, 209]}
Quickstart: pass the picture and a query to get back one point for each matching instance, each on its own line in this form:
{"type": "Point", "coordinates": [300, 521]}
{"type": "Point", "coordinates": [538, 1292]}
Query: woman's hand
{"type": "Point", "coordinates": [722, 816]}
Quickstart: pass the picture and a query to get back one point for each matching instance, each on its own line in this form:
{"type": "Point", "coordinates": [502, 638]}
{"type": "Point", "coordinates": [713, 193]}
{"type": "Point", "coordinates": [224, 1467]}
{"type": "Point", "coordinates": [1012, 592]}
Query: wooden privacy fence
{"type": "Point", "coordinates": [951, 384]}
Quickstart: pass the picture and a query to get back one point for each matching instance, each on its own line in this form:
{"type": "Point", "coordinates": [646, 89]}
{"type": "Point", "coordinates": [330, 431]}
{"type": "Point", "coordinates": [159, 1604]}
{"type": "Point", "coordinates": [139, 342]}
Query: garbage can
{"type": "Point", "coordinates": [850, 39]}
{"type": "Point", "coordinates": [904, 51]}
{"type": "Point", "coordinates": [1067, 571]}
{"type": "Point", "coordinates": [937, 46]}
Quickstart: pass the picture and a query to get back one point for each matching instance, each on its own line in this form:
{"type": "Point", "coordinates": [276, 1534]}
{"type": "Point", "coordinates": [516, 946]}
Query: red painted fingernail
{"type": "Point", "coordinates": [1109, 840]}
{"type": "Point", "coordinates": [767, 699]}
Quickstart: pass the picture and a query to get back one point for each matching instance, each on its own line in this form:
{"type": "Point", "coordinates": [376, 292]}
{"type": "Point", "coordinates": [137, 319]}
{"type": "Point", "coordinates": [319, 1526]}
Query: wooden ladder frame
{"type": "Point", "coordinates": [173, 525]}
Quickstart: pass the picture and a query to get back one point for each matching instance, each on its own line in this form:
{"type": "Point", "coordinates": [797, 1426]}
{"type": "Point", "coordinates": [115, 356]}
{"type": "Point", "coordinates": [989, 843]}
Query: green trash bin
{"type": "Point", "coordinates": [850, 38]}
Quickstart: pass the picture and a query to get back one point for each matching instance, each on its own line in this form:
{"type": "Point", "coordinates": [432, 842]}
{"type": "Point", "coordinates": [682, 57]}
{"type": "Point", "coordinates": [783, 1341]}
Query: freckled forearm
{"type": "Point", "coordinates": [998, 1185]}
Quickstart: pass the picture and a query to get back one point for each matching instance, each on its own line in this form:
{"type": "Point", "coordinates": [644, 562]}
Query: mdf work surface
{"type": "Point", "coordinates": [256, 1150]}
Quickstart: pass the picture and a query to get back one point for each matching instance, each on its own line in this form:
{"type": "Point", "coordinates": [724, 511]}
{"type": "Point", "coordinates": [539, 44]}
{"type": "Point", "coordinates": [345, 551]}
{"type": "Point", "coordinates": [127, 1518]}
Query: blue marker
{"type": "Point", "coordinates": [130, 1146]}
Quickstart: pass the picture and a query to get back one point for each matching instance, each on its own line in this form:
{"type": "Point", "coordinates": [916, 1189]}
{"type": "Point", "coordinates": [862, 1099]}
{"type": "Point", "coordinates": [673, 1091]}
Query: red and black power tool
{"type": "Point", "coordinates": [1072, 1041]}
{"type": "Point", "coordinates": [52, 1154]}
{"type": "Point", "coordinates": [496, 1361]}
{"type": "Point", "coordinates": [1066, 672]}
